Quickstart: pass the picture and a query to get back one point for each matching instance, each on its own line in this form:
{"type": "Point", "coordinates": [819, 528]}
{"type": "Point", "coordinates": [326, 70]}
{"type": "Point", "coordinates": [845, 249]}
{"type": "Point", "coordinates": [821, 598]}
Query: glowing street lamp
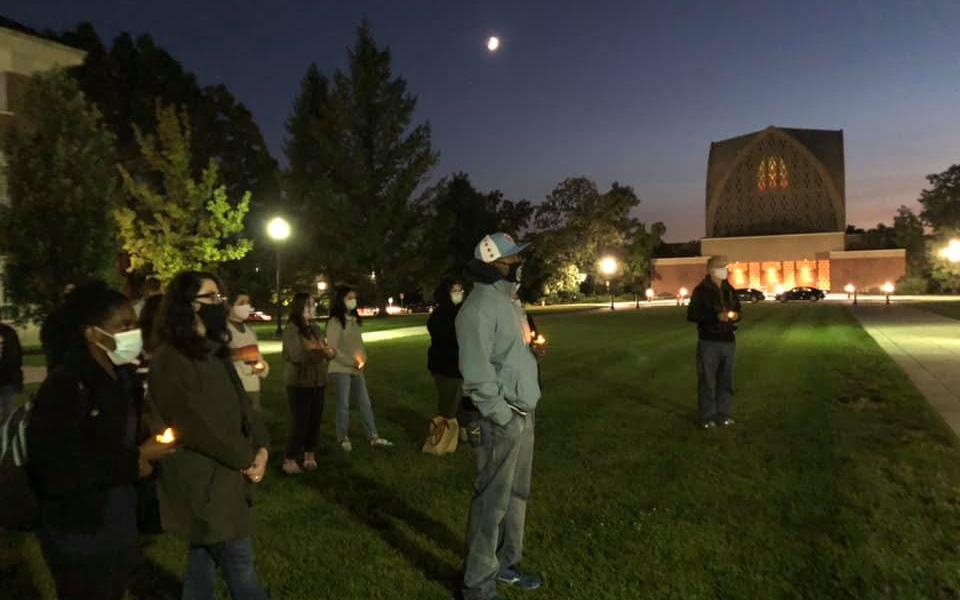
{"type": "Point", "coordinates": [681, 295]}
{"type": "Point", "coordinates": [609, 266]}
{"type": "Point", "coordinates": [951, 252]}
{"type": "Point", "coordinates": [278, 230]}
{"type": "Point", "coordinates": [887, 290]}
{"type": "Point", "coordinates": [322, 286]}
{"type": "Point", "coordinates": [851, 290]}
{"type": "Point", "coordinates": [649, 294]}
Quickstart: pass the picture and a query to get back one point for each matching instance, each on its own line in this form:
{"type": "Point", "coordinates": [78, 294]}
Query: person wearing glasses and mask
{"type": "Point", "coordinates": [245, 347]}
{"type": "Point", "coordinates": [443, 362]}
{"type": "Point", "coordinates": [715, 309]}
{"type": "Point", "coordinates": [500, 380]}
{"type": "Point", "coordinates": [87, 451]}
{"type": "Point", "coordinates": [206, 489]}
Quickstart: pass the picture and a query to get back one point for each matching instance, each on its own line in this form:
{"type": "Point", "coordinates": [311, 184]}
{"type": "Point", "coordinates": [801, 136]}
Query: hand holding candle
{"type": "Point", "coordinates": [167, 437]}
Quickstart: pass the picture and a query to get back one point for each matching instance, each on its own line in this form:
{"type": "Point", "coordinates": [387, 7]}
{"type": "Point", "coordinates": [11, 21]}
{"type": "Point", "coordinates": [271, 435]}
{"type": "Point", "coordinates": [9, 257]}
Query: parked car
{"type": "Point", "coordinates": [750, 295]}
{"type": "Point", "coordinates": [258, 316]}
{"type": "Point", "coordinates": [802, 293]}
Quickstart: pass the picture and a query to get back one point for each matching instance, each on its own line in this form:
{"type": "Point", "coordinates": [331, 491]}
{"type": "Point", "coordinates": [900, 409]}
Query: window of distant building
{"type": "Point", "coordinates": [772, 174]}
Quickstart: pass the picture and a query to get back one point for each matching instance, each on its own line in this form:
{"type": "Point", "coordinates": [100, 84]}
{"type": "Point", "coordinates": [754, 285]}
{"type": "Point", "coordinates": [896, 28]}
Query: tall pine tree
{"type": "Point", "coordinates": [356, 160]}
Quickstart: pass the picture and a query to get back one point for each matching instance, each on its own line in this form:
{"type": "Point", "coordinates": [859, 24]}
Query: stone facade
{"type": "Point", "coordinates": [775, 208]}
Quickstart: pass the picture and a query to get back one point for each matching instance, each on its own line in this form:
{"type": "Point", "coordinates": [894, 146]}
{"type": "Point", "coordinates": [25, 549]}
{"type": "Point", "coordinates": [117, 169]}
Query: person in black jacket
{"type": "Point", "coordinates": [715, 309]}
{"type": "Point", "coordinates": [86, 449]}
{"type": "Point", "coordinates": [443, 357]}
{"type": "Point", "coordinates": [11, 369]}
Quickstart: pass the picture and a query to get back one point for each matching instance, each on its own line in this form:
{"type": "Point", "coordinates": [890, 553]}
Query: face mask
{"type": "Point", "coordinates": [214, 318]}
{"type": "Point", "coordinates": [129, 345]}
{"type": "Point", "coordinates": [720, 273]}
{"type": "Point", "coordinates": [516, 272]}
{"type": "Point", "coordinates": [456, 298]}
{"type": "Point", "coordinates": [351, 304]}
{"type": "Point", "coordinates": [242, 311]}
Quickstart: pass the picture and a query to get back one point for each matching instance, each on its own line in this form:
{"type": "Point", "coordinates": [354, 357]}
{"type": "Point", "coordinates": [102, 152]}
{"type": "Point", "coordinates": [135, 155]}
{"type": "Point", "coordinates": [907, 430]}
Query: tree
{"type": "Point", "coordinates": [638, 256]}
{"type": "Point", "coordinates": [941, 203]}
{"type": "Point", "coordinates": [184, 223]}
{"type": "Point", "coordinates": [454, 217]}
{"type": "Point", "coordinates": [909, 234]}
{"type": "Point", "coordinates": [62, 186]}
{"type": "Point", "coordinates": [367, 160]}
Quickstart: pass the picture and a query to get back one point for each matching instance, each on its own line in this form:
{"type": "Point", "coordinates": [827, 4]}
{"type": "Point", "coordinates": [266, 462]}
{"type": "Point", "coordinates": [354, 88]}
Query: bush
{"type": "Point", "coordinates": [913, 284]}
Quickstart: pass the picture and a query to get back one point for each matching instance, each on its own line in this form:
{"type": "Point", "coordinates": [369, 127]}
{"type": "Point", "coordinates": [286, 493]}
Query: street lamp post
{"type": "Point", "coordinates": [278, 229]}
{"type": "Point", "coordinates": [851, 291]}
{"type": "Point", "coordinates": [608, 266]}
{"type": "Point", "coordinates": [887, 290]}
{"type": "Point", "coordinates": [649, 295]}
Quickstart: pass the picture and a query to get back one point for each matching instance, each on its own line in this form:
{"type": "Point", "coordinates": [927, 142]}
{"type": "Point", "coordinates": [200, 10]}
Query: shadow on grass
{"type": "Point", "coordinates": [379, 508]}
{"type": "Point", "coordinates": [150, 581]}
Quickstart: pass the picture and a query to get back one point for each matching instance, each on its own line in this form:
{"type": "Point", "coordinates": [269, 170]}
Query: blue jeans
{"type": "Point", "coordinates": [7, 394]}
{"type": "Point", "coordinates": [235, 559]}
{"type": "Point", "coordinates": [355, 386]}
{"type": "Point", "coordinates": [715, 379]}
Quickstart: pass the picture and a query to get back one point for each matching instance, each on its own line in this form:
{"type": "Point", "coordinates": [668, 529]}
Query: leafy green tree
{"type": "Point", "coordinates": [454, 217]}
{"type": "Point", "coordinates": [944, 272]}
{"type": "Point", "coordinates": [62, 187]}
{"type": "Point", "coordinates": [909, 234]}
{"type": "Point", "coordinates": [182, 223]}
{"type": "Point", "coordinates": [367, 160]}
{"type": "Point", "coordinates": [941, 202]}
{"type": "Point", "coordinates": [638, 256]}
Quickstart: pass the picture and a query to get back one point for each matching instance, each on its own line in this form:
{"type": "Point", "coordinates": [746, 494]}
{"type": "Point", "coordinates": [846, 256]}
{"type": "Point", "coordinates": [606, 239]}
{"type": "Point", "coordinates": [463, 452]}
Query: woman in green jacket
{"type": "Point", "coordinates": [206, 489]}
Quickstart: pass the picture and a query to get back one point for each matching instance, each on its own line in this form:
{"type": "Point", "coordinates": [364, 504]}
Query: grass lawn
{"type": "Point", "coordinates": [838, 482]}
{"type": "Point", "coordinates": [947, 309]}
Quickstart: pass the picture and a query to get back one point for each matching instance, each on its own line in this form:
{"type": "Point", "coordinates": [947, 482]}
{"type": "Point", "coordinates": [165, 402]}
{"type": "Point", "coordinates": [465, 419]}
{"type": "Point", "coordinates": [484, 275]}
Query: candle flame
{"type": "Point", "coordinates": [166, 437]}
{"type": "Point", "coordinates": [732, 315]}
{"type": "Point", "coordinates": [540, 340]}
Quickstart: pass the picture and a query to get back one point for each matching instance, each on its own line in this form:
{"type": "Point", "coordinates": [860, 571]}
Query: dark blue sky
{"type": "Point", "coordinates": [631, 91]}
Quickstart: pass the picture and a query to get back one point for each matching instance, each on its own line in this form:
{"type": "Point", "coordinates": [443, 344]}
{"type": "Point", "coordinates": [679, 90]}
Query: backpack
{"type": "Point", "coordinates": [19, 508]}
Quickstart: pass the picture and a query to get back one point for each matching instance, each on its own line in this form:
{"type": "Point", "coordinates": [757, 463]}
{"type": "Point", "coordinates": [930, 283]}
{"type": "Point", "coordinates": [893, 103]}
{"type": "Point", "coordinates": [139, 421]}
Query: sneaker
{"type": "Point", "coordinates": [346, 445]}
{"type": "Point", "coordinates": [513, 576]}
{"type": "Point", "coordinates": [290, 467]}
{"type": "Point", "coordinates": [728, 421]}
{"type": "Point", "coordinates": [709, 425]}
{"type": "Point", "coordinates": [379, 442]}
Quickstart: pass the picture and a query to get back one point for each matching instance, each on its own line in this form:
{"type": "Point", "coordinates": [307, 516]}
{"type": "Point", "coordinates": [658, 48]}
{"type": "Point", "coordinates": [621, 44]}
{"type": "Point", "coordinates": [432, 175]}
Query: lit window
{"type": "Point", "coordinates": [772, 174]}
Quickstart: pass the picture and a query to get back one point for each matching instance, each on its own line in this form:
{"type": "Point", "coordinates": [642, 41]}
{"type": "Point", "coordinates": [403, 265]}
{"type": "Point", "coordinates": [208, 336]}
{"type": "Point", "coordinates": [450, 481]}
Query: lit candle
{"type": "Point", "coordinates": [540, 340]}
{"type": "Point", "coordinates": [166, 437]}
{"type": "Point", "coordinates": [731, 315]}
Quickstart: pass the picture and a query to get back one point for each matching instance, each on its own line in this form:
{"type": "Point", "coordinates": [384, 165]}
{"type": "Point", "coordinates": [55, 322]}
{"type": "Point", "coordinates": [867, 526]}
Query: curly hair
{"type": "Point", "coordinates": [176, 323]}
{"type": "Point", "coordinates": [89, 305]}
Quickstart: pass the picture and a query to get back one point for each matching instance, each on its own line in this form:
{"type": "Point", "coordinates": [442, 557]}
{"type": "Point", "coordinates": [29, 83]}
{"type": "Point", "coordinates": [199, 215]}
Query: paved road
{"type": "Point", "coordinates": [927, 348]}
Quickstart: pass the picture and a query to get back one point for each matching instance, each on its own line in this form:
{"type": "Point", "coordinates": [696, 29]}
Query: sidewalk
{"type": "Point", "coordinates": [927, 348]}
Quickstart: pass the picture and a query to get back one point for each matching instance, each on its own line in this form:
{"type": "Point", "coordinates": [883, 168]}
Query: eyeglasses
{"type": "Point", "coordinates": [213, 297]}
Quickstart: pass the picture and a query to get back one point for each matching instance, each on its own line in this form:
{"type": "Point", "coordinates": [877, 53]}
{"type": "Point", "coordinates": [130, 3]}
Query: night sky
{"type": "Point", "coordinates": [629, 91]}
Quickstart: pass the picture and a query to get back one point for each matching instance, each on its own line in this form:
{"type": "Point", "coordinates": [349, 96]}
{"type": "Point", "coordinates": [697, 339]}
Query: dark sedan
{"type": "Point", "coordinates": [802, 293]}
{"type": "Point", "coordinates": [750, 295]}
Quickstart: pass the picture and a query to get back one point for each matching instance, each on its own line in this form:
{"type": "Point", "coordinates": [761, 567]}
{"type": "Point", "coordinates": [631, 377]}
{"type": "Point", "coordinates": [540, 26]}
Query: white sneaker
{"type": "Point", "coordinates": [728, 421]}
{"type": "Point", "coordinates": [379, 442]}
{"type": "Point", "coordinates": [346, 445]}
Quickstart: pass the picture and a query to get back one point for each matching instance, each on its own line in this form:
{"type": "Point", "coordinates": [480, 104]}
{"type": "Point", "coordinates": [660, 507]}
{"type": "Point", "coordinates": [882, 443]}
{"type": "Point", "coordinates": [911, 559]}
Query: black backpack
{"type": "Point", "coordinates": [19, 509]}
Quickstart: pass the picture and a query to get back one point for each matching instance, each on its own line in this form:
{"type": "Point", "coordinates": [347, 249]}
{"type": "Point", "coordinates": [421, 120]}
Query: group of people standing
{"type": "Point", "coordinates": [186, 360]}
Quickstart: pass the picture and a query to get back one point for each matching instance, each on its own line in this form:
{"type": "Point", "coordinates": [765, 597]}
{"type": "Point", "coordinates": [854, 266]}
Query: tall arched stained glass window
{"type": "Point", "coordinates": [772, 174]}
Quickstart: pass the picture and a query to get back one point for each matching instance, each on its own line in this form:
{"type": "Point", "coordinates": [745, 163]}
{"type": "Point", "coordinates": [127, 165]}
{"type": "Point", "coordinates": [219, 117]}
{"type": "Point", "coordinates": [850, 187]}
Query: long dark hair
{"type": "Point", "coordinates": [339, 310]}
{"type": "Point", "coordinates": [89, 305]}
{"type": "Point", "coordinates": [297, 307]}
{"type": "Point", "coordinates": [148, 321]}
{"type": "Point", "coordinates": [177, 319]}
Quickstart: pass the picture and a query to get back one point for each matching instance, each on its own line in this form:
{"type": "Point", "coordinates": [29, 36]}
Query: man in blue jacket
{"type": "Point", "coordinates": [500, 378]}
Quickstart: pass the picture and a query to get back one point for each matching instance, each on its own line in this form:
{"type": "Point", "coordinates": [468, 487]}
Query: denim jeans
{"type": "Point", "coordinates": [355, 386]}
{"type": "Point", "coordinates": [7, 394]}
{"type": "Point", "coordinates": [715, 379]}
{"type": "Point", "coordinates": [235, 559]}
{"type": "Point", "coordinates": [504, 456]}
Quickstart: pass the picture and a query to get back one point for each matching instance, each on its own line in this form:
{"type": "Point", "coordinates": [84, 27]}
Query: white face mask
{"type": "Point", "coordinates": [129, 345]}
{"type": "Point", "coordinates": [720, 273]}
{"type": "Point", "coordinates": [242, 311]}
{"type": "Point", "coordinates": [456, 297]}
{"type": "Point", "coordinates": [351, 304]}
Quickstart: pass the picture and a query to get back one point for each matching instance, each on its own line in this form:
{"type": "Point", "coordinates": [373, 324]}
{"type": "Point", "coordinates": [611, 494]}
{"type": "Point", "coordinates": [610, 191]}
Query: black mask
{"type": "Point", "coordinates": [214, 318]}
{"type": "Point", "coordinates": [515, 272]}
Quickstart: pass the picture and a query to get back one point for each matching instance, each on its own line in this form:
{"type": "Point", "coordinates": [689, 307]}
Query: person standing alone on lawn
{"type": "Point", "coordinates": [500, 379]}
{"type": "Point", "coordinates": [715, 309]}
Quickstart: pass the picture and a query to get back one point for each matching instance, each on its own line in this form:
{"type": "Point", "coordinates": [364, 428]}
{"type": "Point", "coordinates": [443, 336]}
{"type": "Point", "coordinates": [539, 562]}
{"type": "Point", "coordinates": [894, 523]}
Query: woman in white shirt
{"type": "Point", "coordinates": [245, 348]}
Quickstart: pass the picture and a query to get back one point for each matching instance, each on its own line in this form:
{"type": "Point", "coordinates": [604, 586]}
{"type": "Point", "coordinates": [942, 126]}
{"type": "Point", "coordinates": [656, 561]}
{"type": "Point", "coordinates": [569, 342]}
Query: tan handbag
{"type": "Point", "coordinates": [443, 437]}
